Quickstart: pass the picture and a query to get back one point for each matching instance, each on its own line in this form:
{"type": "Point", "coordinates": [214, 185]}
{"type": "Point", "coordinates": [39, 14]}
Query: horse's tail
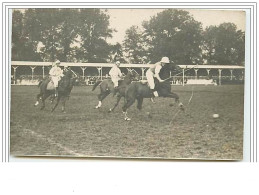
{"type": "Point", "coordinates": [40, 83]}
{"type": "Point", "coordinates": [96, 84]}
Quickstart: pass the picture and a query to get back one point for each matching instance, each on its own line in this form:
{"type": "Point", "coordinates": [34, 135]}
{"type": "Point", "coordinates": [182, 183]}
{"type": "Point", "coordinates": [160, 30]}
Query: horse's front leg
{"type": "Point", "coordinates": [58, 100]}
{"type": "Point", "coordinates": [176, 97]}
{"type": "Point", "coordinates": [63, 104]}
{"type": "Point", "coordinates": [38, 99]}
{"type": "Point", "coordinates": [127, 104]}
{"type": "Point", "coordinates": [140, 102]}
{"type": "Point", "coordinates": [101, 97]}
{"type": "Point", "coordinates": [116, 104]}
{"type": "Point", "coordinates": [44, 97]}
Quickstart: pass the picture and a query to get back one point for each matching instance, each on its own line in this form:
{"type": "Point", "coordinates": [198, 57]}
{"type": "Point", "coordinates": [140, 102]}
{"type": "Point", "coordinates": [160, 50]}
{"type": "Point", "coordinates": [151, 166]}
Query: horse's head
{"type": "Point", "coordinates": [132, 75]}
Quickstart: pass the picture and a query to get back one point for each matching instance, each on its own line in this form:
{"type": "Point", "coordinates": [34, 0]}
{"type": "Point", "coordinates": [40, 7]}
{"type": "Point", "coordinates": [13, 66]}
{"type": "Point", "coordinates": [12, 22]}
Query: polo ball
{"type": "Point", "coordinates": [215, 115]}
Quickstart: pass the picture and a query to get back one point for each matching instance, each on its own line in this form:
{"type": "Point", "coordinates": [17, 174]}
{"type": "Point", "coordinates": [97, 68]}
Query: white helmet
{"type": "Point", "coordinates": [57, 62]}
{"type": "Point", "coordinates": [165, 60]}
{"type": "Point", "coordinates": [117, 63]}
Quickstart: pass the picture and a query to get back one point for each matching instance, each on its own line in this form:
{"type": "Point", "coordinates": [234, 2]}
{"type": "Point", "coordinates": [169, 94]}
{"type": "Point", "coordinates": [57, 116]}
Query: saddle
{"type": "Point", "coordinates": [144, 82]}
{"type": "Point", "coordinates": [50, 85]}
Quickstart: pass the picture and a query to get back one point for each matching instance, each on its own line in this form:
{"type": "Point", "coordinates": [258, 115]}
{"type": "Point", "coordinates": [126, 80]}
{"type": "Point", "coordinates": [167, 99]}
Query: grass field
{"type": "Point", "coordinates": [88, 132]}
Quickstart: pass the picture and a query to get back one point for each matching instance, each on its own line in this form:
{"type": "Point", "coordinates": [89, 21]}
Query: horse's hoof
{"type": "Point", "coordinates": [110, 110]}
{"type": "Point", "coordinates": [37, 103]}
{"type": "Point", "coordinates": [181, 106]}
{"type": "Point", "coordinates": [96, 107]}
{"type": "Point", "coordinates": [127, 119]}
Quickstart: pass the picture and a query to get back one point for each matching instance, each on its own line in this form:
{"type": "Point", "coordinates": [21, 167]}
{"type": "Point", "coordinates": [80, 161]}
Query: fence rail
{"type": "Point", "coordinates": [89, 80]}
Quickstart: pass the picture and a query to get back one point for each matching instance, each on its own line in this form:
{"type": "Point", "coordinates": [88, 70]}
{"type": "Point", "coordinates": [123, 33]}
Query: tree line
{"type": "Point", "coordinates": [80, 35]}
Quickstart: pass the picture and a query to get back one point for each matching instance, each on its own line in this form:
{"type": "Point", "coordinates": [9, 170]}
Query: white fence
{"type": "Point", "coordinates": [178, 79]}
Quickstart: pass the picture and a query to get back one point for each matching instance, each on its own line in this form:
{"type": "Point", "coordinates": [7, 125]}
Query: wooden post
{"type": "Point", "coordinates": [220, 70]}
{"type": "Point", "coordinates": [208, 71]}
{"type": "Point", "coordinates": [99, 71]}
{"type": "Point", "coordinates": [43, 71]}
{"type": "Point", "coordinates": [183, 76]}
{"type": "Point", "coordinates": [196, 73]}
{"type": "Point", "coordinates": [32, 71]}
{"type": "Point", "coordinates": [14, 73]}
{"type": "Point", "coordinates": [83, 69]}
{"type": "Point", "coordinates": [231, 74]}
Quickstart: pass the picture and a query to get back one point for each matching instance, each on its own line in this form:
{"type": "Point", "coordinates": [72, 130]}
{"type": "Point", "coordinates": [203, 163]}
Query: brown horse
{"type": "Point", "coordinates": [107, 87]}
{"type": "Point", "coordinates": [138, 91]}
{"type": "Point", "coordinates": [65, 87]}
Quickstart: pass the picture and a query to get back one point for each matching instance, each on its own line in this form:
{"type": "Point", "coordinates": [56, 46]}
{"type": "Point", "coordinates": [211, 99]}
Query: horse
{"type": "Point", "coordinates": [138, 91]}
{"type": "Point", "coordinates": [107, 86]}
{"type": "Point", "coordinates": [66, 85]}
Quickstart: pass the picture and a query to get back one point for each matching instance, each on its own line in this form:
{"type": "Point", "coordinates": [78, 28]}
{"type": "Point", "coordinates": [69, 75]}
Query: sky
{"type": "Point", "coordinates": [122, 19]}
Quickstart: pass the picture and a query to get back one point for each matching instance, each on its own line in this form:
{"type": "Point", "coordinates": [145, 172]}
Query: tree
{"type": "Point", "coordinates": [23, 45]}
{"type": "Point", "coordinates": [117, 53]}
{"type": "Point", "coordinates": [134, 45]}
{"type": "Point", "coordinates": [17, 35]}
{"type": "Point", "coordinates": [64, 34]}
{"type": "Point", "coordinates": [94, 30]}
{"type": "Point", "coordinates": [224, 45]}
{"type": "Point", "coordinates": [174, 33]}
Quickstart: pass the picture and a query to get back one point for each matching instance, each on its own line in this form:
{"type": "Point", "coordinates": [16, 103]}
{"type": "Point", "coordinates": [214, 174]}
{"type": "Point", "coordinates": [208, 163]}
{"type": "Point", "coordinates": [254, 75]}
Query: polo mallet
{"type": "Point", "coordinates": [73, 72]}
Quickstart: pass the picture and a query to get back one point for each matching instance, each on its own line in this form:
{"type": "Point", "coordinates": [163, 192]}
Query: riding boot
{"type": "Point", "coordinates": [56, 92]}
{"type": "Point", "coordinates": [115, 91]}
{"type": "Point", "coordinates": [152, 99]}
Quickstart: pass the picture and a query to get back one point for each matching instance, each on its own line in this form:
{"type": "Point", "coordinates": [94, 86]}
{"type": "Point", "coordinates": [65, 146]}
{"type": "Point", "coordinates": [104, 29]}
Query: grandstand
{"type": "Point", "coordinates": [30, 73]}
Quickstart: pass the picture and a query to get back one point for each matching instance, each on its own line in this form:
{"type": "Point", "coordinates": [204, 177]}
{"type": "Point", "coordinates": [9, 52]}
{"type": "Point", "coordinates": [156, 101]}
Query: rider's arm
{"type": "Point", "coordinates": [119, 73]}
{"type": "Point", "coordinates": [157, 70]}
{"type": "Point", "coordinates": [51, 72]}
{"type": "Point", "coordinates": [111, 72]}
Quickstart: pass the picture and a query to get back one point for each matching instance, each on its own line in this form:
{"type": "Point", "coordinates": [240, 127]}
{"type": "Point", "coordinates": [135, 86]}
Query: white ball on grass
{"type": "Point", "coordinates": [215, 115]}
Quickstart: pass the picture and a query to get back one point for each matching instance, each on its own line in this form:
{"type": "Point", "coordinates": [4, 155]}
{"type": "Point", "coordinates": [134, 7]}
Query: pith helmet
{"type": "Point", "coordinates": [57, 62]}
{"type": "Point", "coordinates": [118, 63]}
{"type": "Point", "coordinates": [165, 60]}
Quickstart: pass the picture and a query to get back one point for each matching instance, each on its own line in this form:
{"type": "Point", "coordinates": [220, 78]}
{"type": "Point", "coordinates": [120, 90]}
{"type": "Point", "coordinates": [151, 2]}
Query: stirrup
{"type": "Point", "coordinates": [155, 93]}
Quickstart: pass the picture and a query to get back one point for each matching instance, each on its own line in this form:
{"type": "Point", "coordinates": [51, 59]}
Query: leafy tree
{"type": "Point", "coordinates": [117, 53]}
{"type": "Point", "coordinates": [94, 30]}
{"type": "Point", "coordinates": [65, 34]}
{"type": "Point", "coordinates": [174, 33]}
{"type": "Point", "coordinates": [134, 45]}
{"type": "Point", "coordinates": [224, 45]}
{"type": "Point", "coordinates": [23, 45]}
{"type": "Point", "coordinates": [17, 35]}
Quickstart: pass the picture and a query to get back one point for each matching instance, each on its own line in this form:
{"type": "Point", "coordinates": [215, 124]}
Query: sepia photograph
{"type": "Point", "coordinates": [127, 83]}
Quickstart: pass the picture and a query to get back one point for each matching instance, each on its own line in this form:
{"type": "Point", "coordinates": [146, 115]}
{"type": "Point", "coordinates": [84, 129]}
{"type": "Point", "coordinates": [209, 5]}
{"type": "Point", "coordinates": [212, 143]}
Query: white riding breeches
{"type": "Point", "coordinates": [55, 80]}
{"type": "Point", "coordinates": [115, 81]}
{"type": "Point", "coordinates": [150, 79]}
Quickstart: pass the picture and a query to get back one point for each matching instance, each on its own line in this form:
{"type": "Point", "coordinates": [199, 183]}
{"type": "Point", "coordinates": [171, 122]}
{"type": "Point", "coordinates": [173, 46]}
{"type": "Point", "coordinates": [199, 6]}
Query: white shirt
{"type": "Point", "coordinates": [55, 71]}
{"type": "Point", "coordinates": [156, 68]}
{"type": "Point", "coordinates": [115, 72]}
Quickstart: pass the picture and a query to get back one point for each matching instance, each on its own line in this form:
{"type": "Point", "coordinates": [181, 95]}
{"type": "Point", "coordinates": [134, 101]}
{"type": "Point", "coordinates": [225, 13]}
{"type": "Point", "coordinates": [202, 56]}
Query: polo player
{"type": "Point", "coordinates": [153, 72]}
{"type": "Point", "coordinates": [56, 73]}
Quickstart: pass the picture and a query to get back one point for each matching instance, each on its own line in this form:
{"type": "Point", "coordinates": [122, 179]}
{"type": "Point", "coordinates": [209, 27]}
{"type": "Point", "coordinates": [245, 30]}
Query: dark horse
{"type": "Point", "coordinates": [107, 87]}
{"type": "Point", "coordinates": [138, 91]}
{"type": "Point", "coordinates": [64, 89]}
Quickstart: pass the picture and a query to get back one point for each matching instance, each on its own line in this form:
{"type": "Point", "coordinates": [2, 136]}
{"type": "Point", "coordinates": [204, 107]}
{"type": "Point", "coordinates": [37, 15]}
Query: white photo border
{"type": "Point", "coordinates": [250, 122]}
